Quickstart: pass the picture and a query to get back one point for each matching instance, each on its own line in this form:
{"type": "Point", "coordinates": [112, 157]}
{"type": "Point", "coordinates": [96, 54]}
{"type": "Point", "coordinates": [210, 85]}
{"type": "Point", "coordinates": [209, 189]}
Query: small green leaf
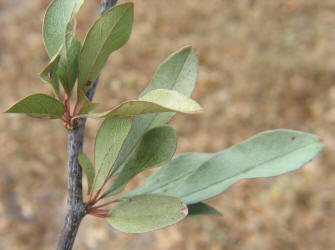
{"type": "Point", "coordinates": [39, 105]}
{"type": "Point", "coordinates": [156, 147]}
{"type": "Point", "coordinates": [267, 154]}
{"type": "Point", "coordinates": [49, 75]}
{"type": "Point", "coordinates": [58, 14]}
{"type": "Point", "coordinates": [110, 32]}
{"type": "Point", "coordinates": [69, 61]}
{"type": "Point", "coordinates": [178, 72]}
{"type": "Point", "coordinates": [110, 137]}
{"type": "Point", "coordinates": [88, 168]}
{"type": "Point", "coordinates": [147, 213]}
{"type": "Point", "coordinates": [159, 100]}
{"type": "Point", "coordinates": [85, 105]}
{"type": "Point", "coordinates": [88, 107]}
{"type": "Point", "coordinates": [201, 209]}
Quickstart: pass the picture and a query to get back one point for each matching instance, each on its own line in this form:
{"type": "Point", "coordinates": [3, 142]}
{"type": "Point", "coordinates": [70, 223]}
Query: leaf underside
{"type": "Point", "coordinates": [194, 177]}
{"type": "Point", "coordinates": [146, 213]}
{"type": "Point", "coordinates": [57, 16]}
{"type": "Point", "coordinates": [109, 140]}
{"type": "Point", "coordinates": [201, 209]}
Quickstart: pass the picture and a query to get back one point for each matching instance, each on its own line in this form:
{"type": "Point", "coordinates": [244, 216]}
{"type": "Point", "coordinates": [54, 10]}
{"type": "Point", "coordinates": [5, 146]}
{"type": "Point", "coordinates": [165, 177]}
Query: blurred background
{"type": "Point", "coordinates": [263, 65]}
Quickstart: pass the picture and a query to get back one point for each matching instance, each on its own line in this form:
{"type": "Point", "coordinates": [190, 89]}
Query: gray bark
{"type": "Point", "coordinates": [76, 208]}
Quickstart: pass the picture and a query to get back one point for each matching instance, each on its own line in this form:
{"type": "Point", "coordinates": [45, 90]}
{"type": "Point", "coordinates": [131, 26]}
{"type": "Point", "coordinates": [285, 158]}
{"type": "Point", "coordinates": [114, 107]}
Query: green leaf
{"type": "Point", "coordinates": [267, 154]}
{"type": "Point", "coordinates": [69, 61]}
{"type": "Point", "coordinates": [58, 14]}
{"type": "Point", "coordinates": [39, 105]}
{"type": "Point", "coordinates": [88, 168]}
{"type": "Point", "coordinates": [147, 213]}
{"type": "Point", "coordinates": [85, 105]}
{"type": "Point", "coordinates": [110, 32]}
{"type": "Point", "coordinates": [110, 137]}
{"type": "Point", "coordinates": [156, 147]}
{"type": "Point", "coordinates": [159, 100]}
{"type": "Point", "coordinates": [201, 209]}
{"type": "Point", "coordinates": [88, 107]}
{"type": "Point", "coordinates": [49, 75]}
{"type": "Point", "coordinates": [178, 72]}
{"type": "Point", "coordinates": [171, 174]}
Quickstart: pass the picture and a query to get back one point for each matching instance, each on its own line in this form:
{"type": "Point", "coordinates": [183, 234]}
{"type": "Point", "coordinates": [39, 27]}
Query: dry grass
{"type": "Point", "coordinates": [263, 65]}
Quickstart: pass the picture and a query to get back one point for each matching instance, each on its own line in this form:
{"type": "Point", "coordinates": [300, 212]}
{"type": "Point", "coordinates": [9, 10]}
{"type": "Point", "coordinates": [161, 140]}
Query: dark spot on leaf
{"type": "Point", "coordinates": [165, 190]}
{"type": "Point", "coordinates": [293, 138]}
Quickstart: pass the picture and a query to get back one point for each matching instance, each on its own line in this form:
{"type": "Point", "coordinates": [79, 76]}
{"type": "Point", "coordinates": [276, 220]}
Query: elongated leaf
{"type": "Point", "coordinates": [88, 168]}
{"type": "Point", "coordinates": [58, 14]}
{"type": "Point", "coordinates": [267, 154]}
{"type": "Point", "coordinates": [110, 137]}
{"type": "Point", "coordinates": [147, 213]}
{"type": "Point", "coordinates": [109, 33]}
{"type": "Point", "coordinates": [178, 72]}
{"type": "Point", "coordinates": [156, 101]}
{"type": "Point", "coordinates": [48, 74]}
{"type": "Point", "coordinates": [201, 209]}
{"type": "Point", "coordinates": [156, 147]}
{"type": "Point", "coordinates": [39, 105]}
{"type": "Point", "coordinates": [69, 61]}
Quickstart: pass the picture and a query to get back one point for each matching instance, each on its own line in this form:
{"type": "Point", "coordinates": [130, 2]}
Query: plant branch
{"type": "Point", "coordinates": [106, 5]}
{"type": "Point", "coordinates": [76, 208]}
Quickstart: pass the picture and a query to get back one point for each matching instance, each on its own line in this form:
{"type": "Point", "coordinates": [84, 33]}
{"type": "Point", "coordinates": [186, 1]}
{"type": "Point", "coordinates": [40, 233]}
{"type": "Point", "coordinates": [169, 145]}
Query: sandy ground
{"type": "Point", "coordinates": [263, 65]}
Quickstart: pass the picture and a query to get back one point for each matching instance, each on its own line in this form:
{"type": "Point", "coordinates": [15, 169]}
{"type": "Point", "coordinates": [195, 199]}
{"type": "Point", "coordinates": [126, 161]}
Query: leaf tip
{"type": "Point", "coordinates": [9, 110]}
{"type": "Point", "coordinates": [199, 110]}
{"type": "Point", "coordinates": [184, 211]}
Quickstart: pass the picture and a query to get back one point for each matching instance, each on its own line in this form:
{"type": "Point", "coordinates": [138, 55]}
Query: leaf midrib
{"type": "Point", "coordinates": [198, 190]}
{"type": "Point", "coordinates": [104, 43]}
{"type": "Point", "coordinates": [243, 172]}
{"type": "Point", "coordinates": [174, 180]}
{"type": "Point", "coordinates": [141, 169]}
{"type": "Point", "coordinates": [117, 156]}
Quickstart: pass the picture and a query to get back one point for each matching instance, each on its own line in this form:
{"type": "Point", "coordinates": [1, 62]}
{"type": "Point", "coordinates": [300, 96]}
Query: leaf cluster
{"type": "Point", "coordinates": [134, 136]}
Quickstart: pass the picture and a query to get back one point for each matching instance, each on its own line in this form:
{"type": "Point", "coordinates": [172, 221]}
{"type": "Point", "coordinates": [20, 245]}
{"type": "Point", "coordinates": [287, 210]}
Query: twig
{"type": "Point", "coordinates": [76, 208]}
